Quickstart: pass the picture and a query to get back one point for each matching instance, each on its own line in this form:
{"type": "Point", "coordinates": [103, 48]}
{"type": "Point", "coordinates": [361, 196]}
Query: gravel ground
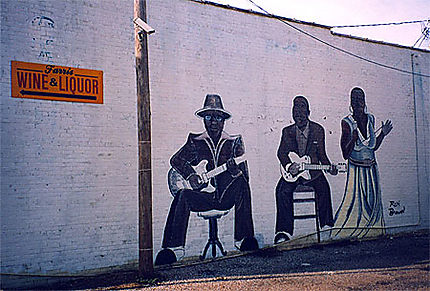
{"type": "Point", "coordinates": [389, 263]}
{"type": "Point", "coordinates": [414, 277]}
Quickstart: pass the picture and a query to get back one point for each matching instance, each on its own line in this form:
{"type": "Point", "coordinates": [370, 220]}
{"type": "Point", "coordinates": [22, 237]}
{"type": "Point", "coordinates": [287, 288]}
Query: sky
{"type": "Point", "coordinates": [353, 12]}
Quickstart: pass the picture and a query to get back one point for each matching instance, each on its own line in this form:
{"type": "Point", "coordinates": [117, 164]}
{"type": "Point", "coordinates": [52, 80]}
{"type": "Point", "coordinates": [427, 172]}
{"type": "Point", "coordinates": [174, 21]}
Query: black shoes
{"type": "Point", "coordinates": [281, 237]}
{"type": "Point", "coordinates": [249, 244]}
{"type": "Point", "coordinates": [165, 257]}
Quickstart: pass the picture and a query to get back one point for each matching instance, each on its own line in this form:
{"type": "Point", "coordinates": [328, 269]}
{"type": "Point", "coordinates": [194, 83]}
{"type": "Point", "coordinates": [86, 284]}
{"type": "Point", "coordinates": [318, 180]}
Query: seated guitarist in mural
{"type": "Point", "coordinates": [304, 139]}
{"type": "Point", "coordinates": [229, 188]}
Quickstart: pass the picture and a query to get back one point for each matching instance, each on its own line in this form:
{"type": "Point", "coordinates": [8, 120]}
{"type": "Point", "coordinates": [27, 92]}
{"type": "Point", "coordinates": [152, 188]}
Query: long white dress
{"type": "Point", "coordinates": [360, 213]}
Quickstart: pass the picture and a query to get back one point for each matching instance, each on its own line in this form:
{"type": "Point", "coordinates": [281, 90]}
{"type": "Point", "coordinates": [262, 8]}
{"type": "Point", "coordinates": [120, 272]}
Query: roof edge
{"type": "Point", "coordinates": [260, 13]}
{"type": "Point", "coordinates": [378, 41]}
{"type": "Point", "coordinates": [306, 23]}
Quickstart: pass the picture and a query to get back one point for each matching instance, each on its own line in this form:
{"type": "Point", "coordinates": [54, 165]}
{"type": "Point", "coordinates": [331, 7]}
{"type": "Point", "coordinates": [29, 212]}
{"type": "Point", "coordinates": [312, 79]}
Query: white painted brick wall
{"type": "Point", "coordinates": [69, 170]}
{"type": "Point", "coordinates": [258, 64]}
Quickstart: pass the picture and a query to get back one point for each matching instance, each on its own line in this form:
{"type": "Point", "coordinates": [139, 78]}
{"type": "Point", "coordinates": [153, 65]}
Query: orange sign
{"type": "Point", "coordinates": [42, 81]}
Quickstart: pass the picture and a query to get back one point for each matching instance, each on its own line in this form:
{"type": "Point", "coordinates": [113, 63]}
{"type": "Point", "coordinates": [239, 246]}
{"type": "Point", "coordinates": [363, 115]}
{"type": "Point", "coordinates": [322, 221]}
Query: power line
{"type": "Point", "coordinates": [379, 24]}
{"type": "Point", "coordinates": [422, 38]}
{"type": "Point", "coordinates": [425, 33]}
{"type": "Point", "coordinates": [335, 47]}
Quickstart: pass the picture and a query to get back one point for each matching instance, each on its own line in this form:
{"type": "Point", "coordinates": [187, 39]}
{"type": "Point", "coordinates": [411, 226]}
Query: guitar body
{"type": "Point", "coordinates": [304, 167]}
{"type": "Point", "coordinates": [176, 182]}
{"type": "Point", "coordinates": [302, 173]}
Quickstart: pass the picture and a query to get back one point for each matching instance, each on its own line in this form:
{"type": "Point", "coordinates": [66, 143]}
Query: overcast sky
{"type": "Point", "coordinates": [353, 12]}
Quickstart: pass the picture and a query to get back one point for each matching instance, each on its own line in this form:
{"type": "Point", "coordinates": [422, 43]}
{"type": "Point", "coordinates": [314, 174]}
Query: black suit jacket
{"type": "Point", "coordinates": [199, 147]}
{"type": "Point", "coordinates": [315, 147]}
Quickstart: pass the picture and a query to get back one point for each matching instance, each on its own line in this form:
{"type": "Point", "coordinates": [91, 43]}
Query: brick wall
{"type": "Point", "coordinates": [69, 170]}
{"type": "Point", "coordinates": [258, 64]}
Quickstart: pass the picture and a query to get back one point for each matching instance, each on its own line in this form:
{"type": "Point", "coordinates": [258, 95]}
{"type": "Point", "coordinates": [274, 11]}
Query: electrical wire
{"type": "Point", "coordinates": [379, 24]}
{"type": "Point", "coordinates": [422, 38]}
{"type": "Point", "coordinates": [425, 34]}
{"type": "Point", "coordinates": [335, 47]}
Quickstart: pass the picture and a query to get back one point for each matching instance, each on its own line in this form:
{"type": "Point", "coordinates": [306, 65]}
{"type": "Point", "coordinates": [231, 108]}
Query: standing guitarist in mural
{"type": "Point", "coordinates": [303, 139]}
{"type": "Point", "coordinates": [230, 187]}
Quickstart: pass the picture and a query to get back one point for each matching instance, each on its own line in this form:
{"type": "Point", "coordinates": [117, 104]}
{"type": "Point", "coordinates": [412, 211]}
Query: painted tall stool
{"type": "Point", "coordinates": [212, 216]}
{"type": "Point", "coordinates": [306, 194]}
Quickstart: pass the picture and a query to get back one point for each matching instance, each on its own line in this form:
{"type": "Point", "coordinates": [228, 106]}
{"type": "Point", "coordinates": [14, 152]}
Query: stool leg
{"type": "Point", "coordinates": [213, 229]}
{"type": "Point", "coordinates": [221, 248]}
{"type": "Point", "coordinates": [203, 256]}
{"type": "Point", "coordinates": [213, 234]}
{"type": "Point", "coordinates": [213, 239]}
{"type": "Point", "coordinates": [317, 220]}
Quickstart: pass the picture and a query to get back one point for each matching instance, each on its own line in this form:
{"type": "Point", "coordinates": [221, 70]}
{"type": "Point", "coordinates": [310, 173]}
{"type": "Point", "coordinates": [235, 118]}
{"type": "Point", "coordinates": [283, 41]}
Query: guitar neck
{"type": "Point", "coordinates": [223, 168]}
{"type": "Point", "coordinates": [316, 167]}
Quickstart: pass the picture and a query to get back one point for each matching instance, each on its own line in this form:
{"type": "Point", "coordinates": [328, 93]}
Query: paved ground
{"type": "Point", "coordinates": [414, 277]}
{"type": "Point", "coordinates": [389, 263]}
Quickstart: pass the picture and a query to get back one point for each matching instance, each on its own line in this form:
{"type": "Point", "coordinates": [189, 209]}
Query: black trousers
{"type": "Point", "coordinates": [237, 194]}
{"type": "Point", "coordinates": [285, 207]}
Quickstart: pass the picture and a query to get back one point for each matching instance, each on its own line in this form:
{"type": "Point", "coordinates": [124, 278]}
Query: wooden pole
{"type": "Point", "coordinates": [144, 137]}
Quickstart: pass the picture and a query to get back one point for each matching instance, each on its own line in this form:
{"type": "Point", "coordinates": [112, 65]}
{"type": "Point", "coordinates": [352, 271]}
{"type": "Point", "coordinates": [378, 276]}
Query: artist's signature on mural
{"type": "Point", "coordinates": [395, 208]}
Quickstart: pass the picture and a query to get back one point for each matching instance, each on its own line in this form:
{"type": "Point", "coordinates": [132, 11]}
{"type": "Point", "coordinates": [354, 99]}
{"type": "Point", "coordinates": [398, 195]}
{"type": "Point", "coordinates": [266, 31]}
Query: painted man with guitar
{"type": "Point", "coordinates": [302, 141]}
{"type": "Point", "coordinates": [223, 183]}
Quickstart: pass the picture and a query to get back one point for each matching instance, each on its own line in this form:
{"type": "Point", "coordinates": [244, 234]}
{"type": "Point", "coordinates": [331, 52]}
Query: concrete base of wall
{"type": "Point", "coordinates": [36, 281]}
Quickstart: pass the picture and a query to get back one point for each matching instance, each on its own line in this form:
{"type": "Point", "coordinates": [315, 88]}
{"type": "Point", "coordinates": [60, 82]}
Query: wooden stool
{"type": "Point", "coordinates": [306, 194]}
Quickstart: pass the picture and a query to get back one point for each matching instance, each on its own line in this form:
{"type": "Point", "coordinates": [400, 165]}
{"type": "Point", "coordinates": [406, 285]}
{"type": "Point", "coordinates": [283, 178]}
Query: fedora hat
{"type": "Point", "coordinates": [213, 103]}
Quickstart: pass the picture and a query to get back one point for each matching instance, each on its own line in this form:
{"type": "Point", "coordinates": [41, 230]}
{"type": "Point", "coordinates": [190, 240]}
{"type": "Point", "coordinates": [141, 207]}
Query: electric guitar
{"type": "Point", "coordinates": [304, 167]}
{"type": "Point", "coordinates": [176, 182]}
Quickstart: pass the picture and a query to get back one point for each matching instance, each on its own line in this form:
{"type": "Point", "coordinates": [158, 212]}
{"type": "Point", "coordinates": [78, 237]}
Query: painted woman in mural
{"type": "Point", "coordinates": [360, 213]}
{"type": "Point", "coordinates": [216, 150]}
{"type": "Point", "coordinates": [302, 143]}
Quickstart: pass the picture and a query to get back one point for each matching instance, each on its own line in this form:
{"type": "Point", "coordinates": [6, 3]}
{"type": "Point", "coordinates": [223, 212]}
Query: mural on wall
{"type": "Point", "coordinates": [302, 156]}
{"type": "Point", "coordinates": [208, 173]}
{"type": "Point", "coordinates": [360, 213]}
{"type": "Point", "coordinates": [261, 116]}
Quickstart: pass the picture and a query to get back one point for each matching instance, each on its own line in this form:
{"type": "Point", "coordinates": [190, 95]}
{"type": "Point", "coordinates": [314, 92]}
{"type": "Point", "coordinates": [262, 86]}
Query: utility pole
{"type": "Point", "coordinates": [144, 138]}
